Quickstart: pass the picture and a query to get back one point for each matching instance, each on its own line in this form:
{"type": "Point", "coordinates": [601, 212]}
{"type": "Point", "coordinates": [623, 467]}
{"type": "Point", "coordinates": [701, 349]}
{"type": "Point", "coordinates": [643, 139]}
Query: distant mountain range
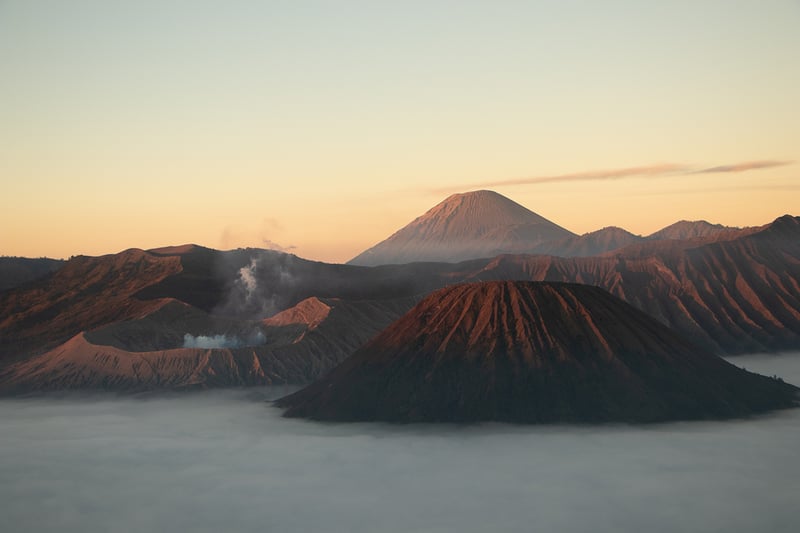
{"type": "Point", "coordinates": [465, 226]}
{"type": "Point", "coordinates": [483, 224]}
{"type": "Point", "coordinates": [189, 316]}
{"type": "Point", "coordinates": [686, 229]}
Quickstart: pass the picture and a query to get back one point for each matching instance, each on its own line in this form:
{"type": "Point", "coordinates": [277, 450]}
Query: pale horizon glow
{"type": "Point", "coordinates": [321, 128]}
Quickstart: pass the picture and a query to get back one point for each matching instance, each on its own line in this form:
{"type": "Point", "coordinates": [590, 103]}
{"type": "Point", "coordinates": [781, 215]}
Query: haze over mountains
{"type": "Point", "coordinates": [686, 229]}
{"type": "Point", "coordinates": [483, 224]}
{"type": "Point", "coordinates": [189, 316]}
{"type": "Point", "coordinates": [465, 226]}
{"type": "Point", "coordinates": [181, 347]}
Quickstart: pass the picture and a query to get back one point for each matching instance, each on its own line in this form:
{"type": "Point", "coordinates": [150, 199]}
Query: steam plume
{"type": "Point", "coordinates": [222, 341]}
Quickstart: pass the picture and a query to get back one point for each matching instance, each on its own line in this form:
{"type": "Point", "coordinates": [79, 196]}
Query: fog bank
{"type": "Point", "coordinates": [226, 461]}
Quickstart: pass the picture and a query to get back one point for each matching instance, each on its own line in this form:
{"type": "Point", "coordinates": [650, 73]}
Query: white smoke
{"type": "Point", "coordinates": [272, 245]}
{"type": "Point", "coordinates": [247, 279]}
{"type": "Point", "coordinates": [261, 287]}
{"type": "Point", "coordinates": [222, 341]}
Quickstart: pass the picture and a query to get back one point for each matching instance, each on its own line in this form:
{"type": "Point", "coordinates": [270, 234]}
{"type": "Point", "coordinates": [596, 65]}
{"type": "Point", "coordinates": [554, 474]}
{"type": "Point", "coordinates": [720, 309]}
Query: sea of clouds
{"type": "Point", "coordinates": [226, 461]}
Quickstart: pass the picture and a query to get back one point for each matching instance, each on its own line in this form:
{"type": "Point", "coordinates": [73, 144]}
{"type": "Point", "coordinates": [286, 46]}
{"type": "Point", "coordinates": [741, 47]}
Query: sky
{"type": "Point", "coordinates": [323, 127]}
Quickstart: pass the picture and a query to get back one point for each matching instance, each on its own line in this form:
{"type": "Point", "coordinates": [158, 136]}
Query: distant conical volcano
{"type": "Point", "coordinates": [465, 226]}
{"type": "Point", "coordinates": [533, 352]}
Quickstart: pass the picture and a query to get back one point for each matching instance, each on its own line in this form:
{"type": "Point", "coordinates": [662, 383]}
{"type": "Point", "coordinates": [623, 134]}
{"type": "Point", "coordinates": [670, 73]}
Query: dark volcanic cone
{"type": "Point", "coordinates": [533, 352]}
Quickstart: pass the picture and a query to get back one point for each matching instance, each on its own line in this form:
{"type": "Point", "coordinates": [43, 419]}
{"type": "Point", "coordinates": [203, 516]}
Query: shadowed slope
{"type": "Point", "coordinates": [14, 271]}
{"type": "Point", "coordinates": [737, 296]}
{"type": "Point", "coordinates": [532, 352]}
{"type": "Point", "coordinates": [151, 352]}
{"type": "Point", "coordinates": [594, 243]}
{"type": "Point", "coordinates": [83, 294]}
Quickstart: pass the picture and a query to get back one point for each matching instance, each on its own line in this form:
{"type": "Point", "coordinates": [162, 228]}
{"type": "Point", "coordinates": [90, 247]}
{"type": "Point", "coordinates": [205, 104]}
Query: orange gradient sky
{"type": "Point", "coordinates": [323, 127]}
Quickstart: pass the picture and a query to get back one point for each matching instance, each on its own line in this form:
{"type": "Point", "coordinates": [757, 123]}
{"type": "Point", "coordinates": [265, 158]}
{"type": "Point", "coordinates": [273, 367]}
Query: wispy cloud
{"type": "Point", "coordinates": [661, 170]}
{"type": "Point", "coordinates": [255, 236]}
{"type": "Point", "coordinates": [595, 175]}
{"type": "Point", "coordinates": [742, 167]}
{"type": "Point", "coordinates": [272, 245]}
{"type": "Point", "coordinates": [592, 175]}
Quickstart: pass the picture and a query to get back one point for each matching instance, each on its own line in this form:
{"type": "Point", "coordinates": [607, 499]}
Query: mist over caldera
{"type": "Point", "coordinates": [188, 317]}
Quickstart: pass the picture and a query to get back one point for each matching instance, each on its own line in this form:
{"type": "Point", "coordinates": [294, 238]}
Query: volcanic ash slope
{"type": "Point", "coordinates": [465, 226]}
{"type": "Point", "coordinates": [533, 353]}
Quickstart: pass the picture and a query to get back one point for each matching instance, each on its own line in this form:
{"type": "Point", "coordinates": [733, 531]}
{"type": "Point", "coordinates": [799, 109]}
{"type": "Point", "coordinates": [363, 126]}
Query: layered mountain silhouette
{"type": "Point", "coordinates": [15, 271]}
{"type": "Point", "coordinates": [87, 292]}
{"type": "Point", "coordinates": [465, 226]}
{"type": "Point", "coordinates": [690, 229]}
{"type": "Point", "coordinates": [533, 352]}
{"type": "Point", "coordinates": [733, 291]}
{"type": "Point", "coordinates": [589, 244]}
{"type": "Point", "coordinates": [179, 346]}
{"type": "Point", "coordinates": [484, 224]}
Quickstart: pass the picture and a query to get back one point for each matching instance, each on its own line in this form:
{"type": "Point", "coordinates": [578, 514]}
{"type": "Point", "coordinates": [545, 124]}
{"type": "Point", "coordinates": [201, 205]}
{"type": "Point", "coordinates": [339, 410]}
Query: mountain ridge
{"type": "Point", "coordinates": [150, 352]}
{"type": "Point", "coordinates": [690, 229]}
{"type": "Point", "coordinates": [736, 295]}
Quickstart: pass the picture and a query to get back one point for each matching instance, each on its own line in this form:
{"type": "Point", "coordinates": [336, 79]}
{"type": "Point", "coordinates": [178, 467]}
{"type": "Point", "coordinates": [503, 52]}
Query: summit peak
{"type": "Point", "coordinates": [465, 226]}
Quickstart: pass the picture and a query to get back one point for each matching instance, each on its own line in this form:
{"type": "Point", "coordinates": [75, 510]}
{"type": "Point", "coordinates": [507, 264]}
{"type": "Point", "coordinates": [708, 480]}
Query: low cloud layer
{"type": "Point", "coordinates": [226, 461]}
